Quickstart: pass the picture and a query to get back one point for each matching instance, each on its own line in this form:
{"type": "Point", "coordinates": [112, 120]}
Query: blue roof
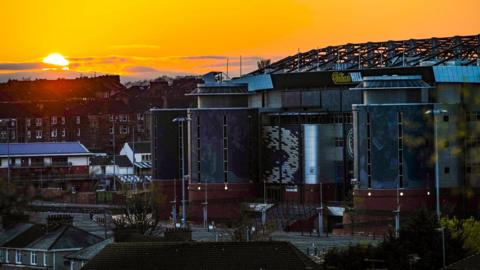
{"type": "Point", "coordinates": [43, 148]}
{"type": "Point", "coordinates": [457, 74]}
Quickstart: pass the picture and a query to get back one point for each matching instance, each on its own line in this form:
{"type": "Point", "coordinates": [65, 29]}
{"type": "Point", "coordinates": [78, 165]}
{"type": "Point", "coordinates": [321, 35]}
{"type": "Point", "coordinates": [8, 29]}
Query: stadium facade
{"type": "Point", "coordinates": [357, 122]}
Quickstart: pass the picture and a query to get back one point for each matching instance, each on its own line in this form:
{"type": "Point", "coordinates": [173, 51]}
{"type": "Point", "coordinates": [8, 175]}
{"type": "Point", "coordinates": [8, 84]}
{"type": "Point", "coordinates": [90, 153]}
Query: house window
{"type": "Point", "coordinates": [64, 133]}
{"type": "Point", "coordinates": [78, 132]}
{"type": "Point", "coordinates": [140, 116]}
{"type": "Point", "coordinates": [445, 118]}
{"type": "Point", "coordinates": [28, 122]}
{"type": "Point", "coordinates": [124, 129]}
{"type": "Point", "coordinates": [123, 117]}
{"type": "Point", "coordinates": [38, 134]}
{"type": "Point", "coordinates": [77, 120]}
{"type": "Point", "coordinates": [18, 256]}
{"type": "Point", "coordinates": [44, 259]}
{"type": "Point", "coordinates": [29, 134]}
{"type": "Point", "coordinates": [111, 130]}
{"type": "Point", "coordinates": [446, 170]}
{"type": "Point", "coordinates": [54, 120]}
{"type": "Point", "coordinates": [33, 257]}
{"type": "Point", "coordinates": [6, 256]}
{"type": "Point", "coordinates": [111, 117]}
{"type": "Point", "coordinates": [63, 120]}
{"type": "Point", "coordinates": [53, 133]}
{"type": "Point", "coordinates": [2, 256]}
{"type": "Point", "coordinates": [38, 122]}
{"type": "Point", "coordinates": [13, 135]}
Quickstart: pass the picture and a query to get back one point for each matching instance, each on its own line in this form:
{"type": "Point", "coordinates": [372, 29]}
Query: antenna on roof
{"type": "Point", "coordinates": [240, 66]}
{"type": "Point", "coordinates": [227, 67]}
{"type": "Point", "coordinates": [298, 60]}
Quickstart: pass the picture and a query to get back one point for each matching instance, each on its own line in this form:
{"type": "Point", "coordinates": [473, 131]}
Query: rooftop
{"type": "Point", "coordinates": [201, 255]}
{"type": "Point", "coordinates": [43, 149]}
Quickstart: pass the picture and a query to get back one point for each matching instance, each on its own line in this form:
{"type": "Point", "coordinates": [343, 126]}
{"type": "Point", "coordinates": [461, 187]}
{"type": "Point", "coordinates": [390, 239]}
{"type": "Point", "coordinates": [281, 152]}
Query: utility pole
{"type": "Point", "coordinates": [114, 161]}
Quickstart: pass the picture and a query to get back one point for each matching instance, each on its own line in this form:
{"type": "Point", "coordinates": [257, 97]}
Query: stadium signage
{"type": "Point", "coordinates": [346, 78]}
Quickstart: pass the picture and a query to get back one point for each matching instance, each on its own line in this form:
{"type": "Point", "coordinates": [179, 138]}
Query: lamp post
{"type": "Point", "coordinates": [435, 112]}
{"type": "Point", "coordinates": [181, 121]}
{"type": "Point", "coordinates": [205, 206]}
{"type": "Point", "coordinates": [114, 154]}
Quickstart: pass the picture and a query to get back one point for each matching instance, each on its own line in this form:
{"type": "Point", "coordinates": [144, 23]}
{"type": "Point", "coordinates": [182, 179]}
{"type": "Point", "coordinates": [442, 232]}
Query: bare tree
{"type": "Point", "coordinates": [263, 63]}
{"type": "Point", "coordinates": [141, 212]}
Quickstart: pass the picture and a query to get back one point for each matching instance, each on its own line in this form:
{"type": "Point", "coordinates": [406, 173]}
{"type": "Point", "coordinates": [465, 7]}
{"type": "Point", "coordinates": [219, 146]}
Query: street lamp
{"type": "Point", "coordinates": [437, 178]}
{"type": "Point", "coordinates": [181, 121]}
{"type": "Point", "coordinates": [437, 168]}
{"type": "Point", "coordinates": [205, 206]}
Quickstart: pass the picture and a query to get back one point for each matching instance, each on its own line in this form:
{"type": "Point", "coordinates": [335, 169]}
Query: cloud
{"type": "Point", "coordinates": [21, 66]}
{"type": "Point", "coordinates": [202, 57]}
{"type": "Point", "coordinates": [135, 46]}
{"type": "Point", "coordinates": [139, 69]}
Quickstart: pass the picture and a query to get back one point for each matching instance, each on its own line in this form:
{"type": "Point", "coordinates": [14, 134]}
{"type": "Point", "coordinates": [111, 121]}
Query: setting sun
{"type": "Point", "coordinates": [56, 59]}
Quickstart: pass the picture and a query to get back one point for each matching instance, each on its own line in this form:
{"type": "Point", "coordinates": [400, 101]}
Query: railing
{"type": "Point", "coordinates": [41, 165]}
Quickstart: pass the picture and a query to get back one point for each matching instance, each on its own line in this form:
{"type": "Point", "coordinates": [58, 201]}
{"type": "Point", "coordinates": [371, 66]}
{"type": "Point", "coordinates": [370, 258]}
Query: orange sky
{"type": "Point", "coordinates": [144, 39]}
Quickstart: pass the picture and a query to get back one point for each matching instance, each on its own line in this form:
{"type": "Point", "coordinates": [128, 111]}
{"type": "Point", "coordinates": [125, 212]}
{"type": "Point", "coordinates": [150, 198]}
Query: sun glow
{"type": "Point", "coordinates": [56, 59]}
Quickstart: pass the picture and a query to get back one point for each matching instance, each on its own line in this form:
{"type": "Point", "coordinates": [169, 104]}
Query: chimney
{"type": "Point", "coordinates": [55, 221]}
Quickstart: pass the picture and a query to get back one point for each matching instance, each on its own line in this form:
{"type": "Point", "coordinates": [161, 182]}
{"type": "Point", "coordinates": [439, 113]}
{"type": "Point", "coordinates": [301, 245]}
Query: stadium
{"type": "Point", "coordinates": [377, 126]}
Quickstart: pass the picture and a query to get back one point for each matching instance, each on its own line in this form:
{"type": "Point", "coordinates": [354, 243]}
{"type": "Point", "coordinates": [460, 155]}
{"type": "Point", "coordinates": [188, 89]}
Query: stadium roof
{"type": "Point", "coordinates": [43, 149]}
{"type": "Point", "coordinates": [457, 50]}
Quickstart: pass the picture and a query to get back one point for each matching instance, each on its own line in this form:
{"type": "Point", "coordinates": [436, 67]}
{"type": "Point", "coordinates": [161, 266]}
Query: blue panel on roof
{"type": "Point", "coordinates": [457, 74]}
{"type": "Point", "coordinates": [44, 148]}
{"type": "Point", "coordinates": [257, 82]}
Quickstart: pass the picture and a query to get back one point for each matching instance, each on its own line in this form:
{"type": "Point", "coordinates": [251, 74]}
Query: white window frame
{"type": "Point", "coordinates": [6, 256]}
{"type": "Point", "coordinates": [29, 134]}
{"type": "Point", "coordinates": [44, 258]}
{"type": "Point", "coordinates": [33, 257]}
{"type": "Point", "coordinates": [140, 116]}
{"type": "Point", "coordinates": [28, 122]}
{"type": "Point", "coordinates": [63, 120]}
{"type": "Point", "coordinates": [18, 256]}
{"type": "Point", "coordinates": [123, 117]}
{"type": "Point", "coordinates": [78, 132]}
{"type": "Point", "coordinates": [64, 133]}
{"type": "Point", "coordinates": [38, 134]}
{"type": "Point", "coordinates": [54, 133]}
{"type": "Point", "coordinates": [124, 129]}
{"type": "Point", "coordinates": [77, 119]}
{"type": "Point", "coordinates": [54, 120]}
{"type": "Point", "coordinates": [38, 122]}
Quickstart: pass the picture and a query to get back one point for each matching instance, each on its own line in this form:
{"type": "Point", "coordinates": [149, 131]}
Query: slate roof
{"type": "Point", "coordinates": [201, 255]}
{"type": "Point", "coordinates": [121, 161]}
{"type": "Point", "coordinates": [65, 237]}
{"type": "Point", "coordinates": [43, 148]}
{"type": "Point", "coordinates": [140, 147]}
{"type": "Point", "coordinates": [89, 252]}
{"type": "Point", "coordinates": [36, 236]}
{"type": "Point", "coordinates": [25, 237]}
{"type": "Point", "coordinates": [8, 235]}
